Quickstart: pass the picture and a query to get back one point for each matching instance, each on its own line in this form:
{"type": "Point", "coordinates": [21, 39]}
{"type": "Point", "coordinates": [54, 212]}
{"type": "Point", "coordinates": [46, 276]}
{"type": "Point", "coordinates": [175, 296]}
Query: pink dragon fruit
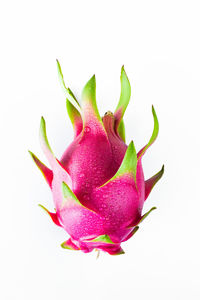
{"type": "Point", "coordinates": [98, 185]}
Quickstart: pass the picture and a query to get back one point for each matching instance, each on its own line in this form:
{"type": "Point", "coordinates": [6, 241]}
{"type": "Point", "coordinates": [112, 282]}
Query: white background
{"type": "Point", "coordinates": [159, 44]}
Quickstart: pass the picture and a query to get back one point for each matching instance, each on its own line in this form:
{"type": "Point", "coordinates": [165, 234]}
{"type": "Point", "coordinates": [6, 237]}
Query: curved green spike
{"type": "Point", "coordinates": [65, 246]}
{"type": "Point", "coordinates": [43, 136]}
{"type": "Point", "coordinates": [69, 198]}
{"type": "Point", "coordinates": [89, 105]}
{"type": "Point", "coordinates": [146, 214]}
{"type": "Point", "coordinates": [149, 184]}
{"type": "Point", "coordinates": [134, 230]}
{"type": "Point", "coordinates": [69, 245]}
{"type": "Point", "coordinates": [68, 93]}
{"type": "Point", "coordinates": [52, 215]}
{"type": "Point", "coordinates": [121, 130]}
{"type": "Point", "coordinates": [102, 239]}
{"type": "Point", "coordinates": [89, 93]}
{"type": "Point", "coordinates": [75, 117]}
{"type": "Point", "coordinates": [124, 96]}
{"type": "Point", "coordinates": [45, 144]}
{"type": "Point", "coordinates": [121, 251]}
{"type": "Point", "coordinates": [128, 165]}
{"type": "Point", "coordinates": [46, 172]}
{"type": "Point", "coordinates": [72, 108]}
{"type": "Point", "coordinates": [154, 134]}
{"type": "Point", "coordinates": [55, 164]}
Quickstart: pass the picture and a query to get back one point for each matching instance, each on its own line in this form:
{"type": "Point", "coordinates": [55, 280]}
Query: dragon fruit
{"type": "Point", "coordinates": [98, 184]}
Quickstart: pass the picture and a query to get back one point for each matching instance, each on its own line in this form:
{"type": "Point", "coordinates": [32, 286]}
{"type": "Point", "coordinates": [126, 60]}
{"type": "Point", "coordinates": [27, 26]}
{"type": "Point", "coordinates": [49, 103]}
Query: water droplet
{"type": "Point", "coordinates": [87, 129]}
{"type": "Point", "coordinates": [82, 175]}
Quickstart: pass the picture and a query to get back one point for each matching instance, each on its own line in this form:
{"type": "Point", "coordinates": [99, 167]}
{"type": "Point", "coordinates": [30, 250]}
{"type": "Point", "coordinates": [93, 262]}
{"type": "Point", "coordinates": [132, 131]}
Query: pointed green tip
{"type": "Point", "coordinates": [32, 156]}
{"type": "Point", "coordinates": [131, 146]}
{"type": "Point", "coordinates": [154, 134]}
{"type": "Point", "coordinates": [68, 195]}
{"type": "Point", "coordinates": [153, 208]}
{"type": "Point", "coordinates": [90, 87]}
{"type": "Point", "coordinates": [89, 99]}
{"type": "Point", "coordinates": [156, 127]}
{"type": "Point", "coordinates": [65, 189]}
{"type": "Point", "coordinates": [161, 171]}
{"type": "Point", "coordinates": [119, 253]}
{"type": "Point", "coordinates": [129, 163]}
{"type": "Point", "coordinates": [154, 112]}
{"type": "Point", "coordinates": [63, 245]}
{"type": "Point", "coordinates": [125, 94]}
{"type": "Point", "coordinates": [156, 124]}
{"type": "Point", "coordinates": [43, 128]}
{"type": "Point", "coordinates": [89, 90]}
{"type": "Point", "coordinates": [42, 122]}
{"type": "Point", "coordinates": [43, 135]}
{"type": "Point", "coordinates": [92, 82]}
{"type": "Point", "coordinates": [58, 66]}
{"type": "Point", "coordinates": [31, 153]}
{"type": "Point", "coordinates": [40, 205]}
{"type": "Point", "coordinates": [68, 93]}
{"type": "Point", "coordinates": [44, 208]}
{"type": "Point", "coordinates": [124, 72]}
{"type": "Point", "coordinates": [60, 74]}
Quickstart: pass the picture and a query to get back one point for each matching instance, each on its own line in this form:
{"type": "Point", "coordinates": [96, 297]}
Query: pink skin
{"type": "Point", "coordinates": [108, 209]}
{"type": "Point", "coordinates": [98, 185]}
{"type": "Point", "coordinates": [112, 207]}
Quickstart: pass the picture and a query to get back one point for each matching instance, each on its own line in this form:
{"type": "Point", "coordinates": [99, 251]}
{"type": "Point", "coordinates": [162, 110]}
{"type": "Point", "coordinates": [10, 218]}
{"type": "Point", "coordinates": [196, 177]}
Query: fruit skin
{"type": "Point", "coordinates": [98, 185]}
